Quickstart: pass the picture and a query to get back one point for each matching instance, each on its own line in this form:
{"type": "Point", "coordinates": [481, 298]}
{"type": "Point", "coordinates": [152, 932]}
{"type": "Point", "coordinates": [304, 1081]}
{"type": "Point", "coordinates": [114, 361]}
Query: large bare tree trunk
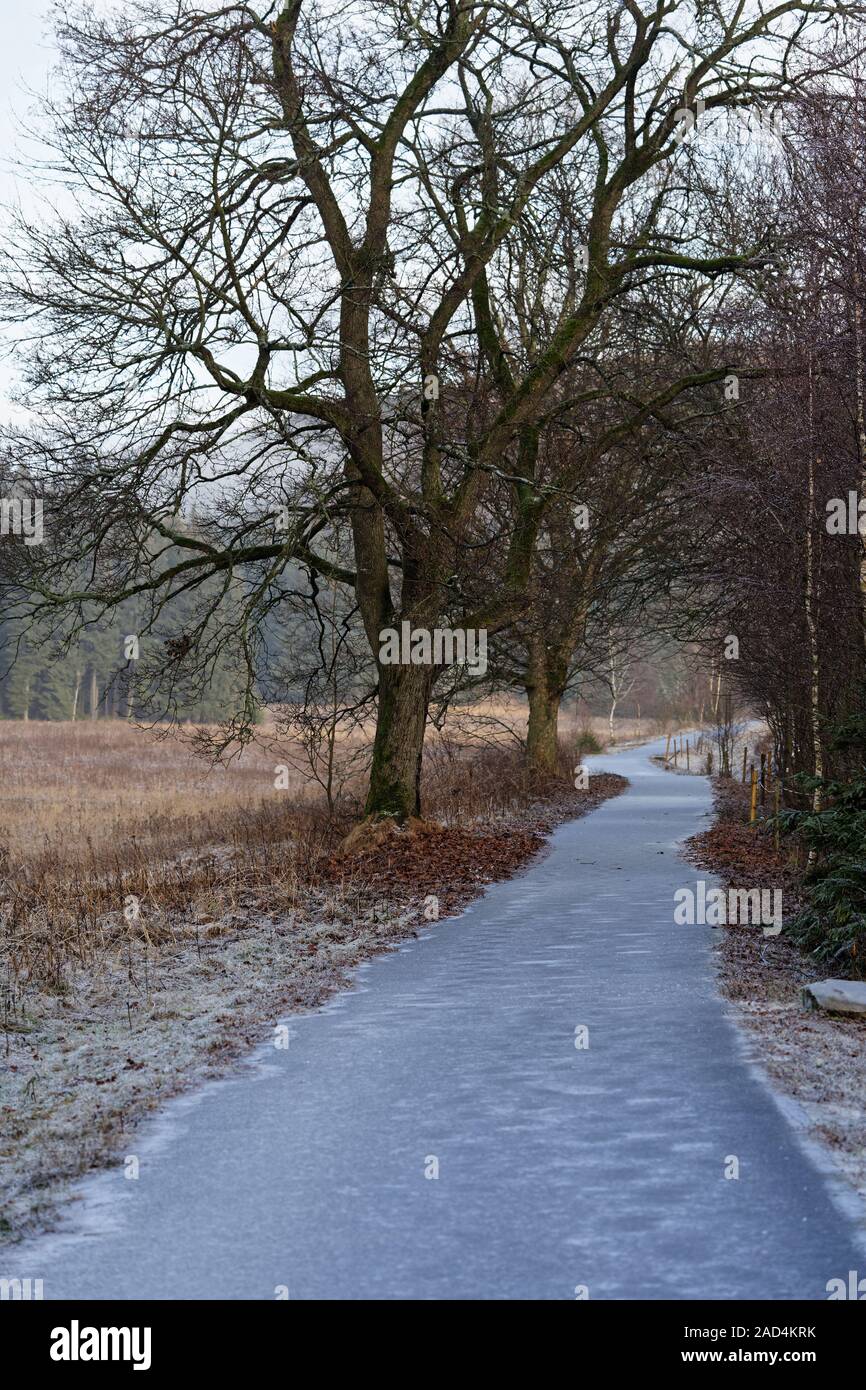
{"type": "Point", "coordinates": [395, 774]}
{"type": "Point", "coordinates": [546, 679]}
{"type": "Point", "coordinates": [549, 655]}
{"type": "Point", "coordinates": [542, 737]}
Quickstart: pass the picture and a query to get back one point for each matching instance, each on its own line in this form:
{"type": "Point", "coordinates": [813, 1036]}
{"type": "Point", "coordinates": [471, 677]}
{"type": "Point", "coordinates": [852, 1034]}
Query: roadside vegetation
{"type": "Point", "coordinates": [158, 917]}
{"type": "Point", "coordinates": [393, 383]}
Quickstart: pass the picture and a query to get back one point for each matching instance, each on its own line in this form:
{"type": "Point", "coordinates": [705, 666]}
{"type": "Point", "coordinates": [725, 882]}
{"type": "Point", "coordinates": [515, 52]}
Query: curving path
{"type": "Point", "coordinates": [558, 1167]}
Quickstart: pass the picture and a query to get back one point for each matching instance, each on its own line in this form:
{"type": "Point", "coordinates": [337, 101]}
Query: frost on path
{"type": "Point", "coordinates": [541, 1099]}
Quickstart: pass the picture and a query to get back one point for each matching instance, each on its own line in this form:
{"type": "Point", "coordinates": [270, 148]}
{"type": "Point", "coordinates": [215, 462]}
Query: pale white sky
{"type": "Point", "coordinates": [25, 58]}
{"type": "Point", "coordinates": [25, 61]}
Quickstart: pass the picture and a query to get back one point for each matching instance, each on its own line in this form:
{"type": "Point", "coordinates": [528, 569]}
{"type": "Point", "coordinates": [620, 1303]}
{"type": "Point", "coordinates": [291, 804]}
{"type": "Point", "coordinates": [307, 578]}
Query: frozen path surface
{"type": "Point", "coordinates": [558, 1167]}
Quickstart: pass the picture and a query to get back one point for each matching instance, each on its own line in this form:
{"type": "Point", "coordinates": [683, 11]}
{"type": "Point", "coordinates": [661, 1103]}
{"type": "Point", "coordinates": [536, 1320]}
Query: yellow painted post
{"type": "Point", "coordinates": [753, 810]}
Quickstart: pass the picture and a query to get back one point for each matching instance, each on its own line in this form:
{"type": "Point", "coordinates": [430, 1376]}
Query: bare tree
{"type": "Point", "coordinates": [277, 296]}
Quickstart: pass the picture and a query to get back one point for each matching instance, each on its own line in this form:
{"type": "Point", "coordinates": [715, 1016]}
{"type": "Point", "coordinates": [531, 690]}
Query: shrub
{"type": "Point", "coordinates": [587, 743]}
{"type": "Point", "coordinates": [832, 923]}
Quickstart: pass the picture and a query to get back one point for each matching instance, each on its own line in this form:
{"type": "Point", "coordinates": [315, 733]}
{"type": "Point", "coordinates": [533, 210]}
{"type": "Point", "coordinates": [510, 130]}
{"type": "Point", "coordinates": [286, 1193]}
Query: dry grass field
{"type": "Point", "coordinates": [91, 812]}
{"type": "Point", "coordinates": [94, 815]}
{"type": "Point", "coordinates": [159, 913]}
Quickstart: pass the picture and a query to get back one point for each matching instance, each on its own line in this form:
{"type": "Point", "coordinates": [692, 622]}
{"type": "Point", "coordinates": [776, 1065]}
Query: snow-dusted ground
{"type": "Point", "coordinates": [562, 1169]}
{"type": "Point", "coordinates": [137, 1025]}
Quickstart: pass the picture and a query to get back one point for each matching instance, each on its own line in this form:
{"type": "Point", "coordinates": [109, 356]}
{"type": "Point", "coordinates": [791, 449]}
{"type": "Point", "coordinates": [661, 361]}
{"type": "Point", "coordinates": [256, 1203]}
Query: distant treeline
{"type": "Point", "coordinates": [94, 678]}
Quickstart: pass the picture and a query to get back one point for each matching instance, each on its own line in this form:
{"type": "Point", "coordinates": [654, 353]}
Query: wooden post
{"type": "Point", "coordinates": [753, 810]}
{"type": "Point", "coordinates": [777, 799]}
{"type": "Point", "coordinates": [763, 778]}
{"type": "Point", "coordinates": [745, 756]}
{"type": "Point", "coordinates": [667, 746]}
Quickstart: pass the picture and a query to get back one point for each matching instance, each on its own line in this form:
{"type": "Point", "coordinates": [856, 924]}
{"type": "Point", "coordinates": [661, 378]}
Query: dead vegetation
{"type": "Point", "coordinates": [157, 917]}
{"type": "Point", "coordinates": [817, 1058]}
{"type": "Point", "coordinates": [110, 832]}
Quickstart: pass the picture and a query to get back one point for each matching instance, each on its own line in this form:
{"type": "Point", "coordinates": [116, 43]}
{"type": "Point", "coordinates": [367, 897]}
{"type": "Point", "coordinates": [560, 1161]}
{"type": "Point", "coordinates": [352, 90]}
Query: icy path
{"type": "Point", "coordinates": [558, 1167]}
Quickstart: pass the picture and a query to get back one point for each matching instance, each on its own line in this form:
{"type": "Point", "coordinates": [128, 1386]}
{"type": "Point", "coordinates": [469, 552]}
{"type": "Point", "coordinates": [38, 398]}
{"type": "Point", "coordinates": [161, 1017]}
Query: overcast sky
{"type": "Point", "coordinates": [25, 60]}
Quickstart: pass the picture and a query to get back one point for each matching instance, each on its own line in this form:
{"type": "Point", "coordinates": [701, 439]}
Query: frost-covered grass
{"type": "Point", "coordinates": [817, 1058]}
{"type": "Point", "coordinates": [145, 1020]}
{"type": "Point", "coordinates": [158, 915]}
{"type": "Point", "coordinates": [110, 832]}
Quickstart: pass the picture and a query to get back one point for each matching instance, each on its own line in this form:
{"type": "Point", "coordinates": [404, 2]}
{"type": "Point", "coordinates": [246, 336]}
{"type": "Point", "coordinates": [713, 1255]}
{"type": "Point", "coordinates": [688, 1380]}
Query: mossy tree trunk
{"type": "Point", "coordinates": [398, 747]}
{"type": "Point", "coordinates": [549, 655]}
{"type": "Point", "coordinates": [544, 689]}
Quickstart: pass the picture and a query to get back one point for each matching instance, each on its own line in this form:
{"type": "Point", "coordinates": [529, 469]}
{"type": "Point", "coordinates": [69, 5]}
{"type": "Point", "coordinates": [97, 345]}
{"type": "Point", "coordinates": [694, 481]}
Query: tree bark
{"type": "Point", "coordinates": [549, 654]}
{"type": "Point", "coordinates": [545, 687]}
{"type": "Point", "coordinates": [542, 739]}
{"type": "Point", "coordinates": [395, 774]}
